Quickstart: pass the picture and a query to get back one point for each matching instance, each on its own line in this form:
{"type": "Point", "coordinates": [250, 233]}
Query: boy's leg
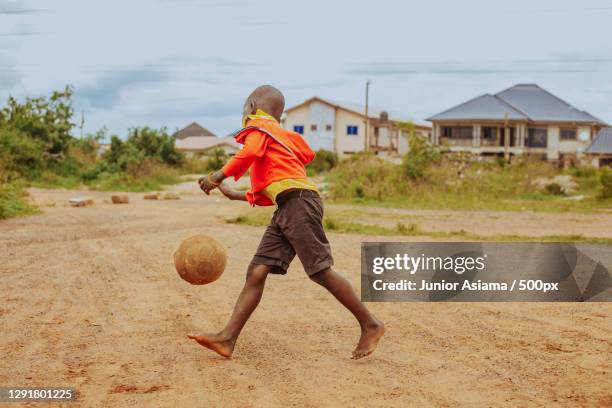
{"type": "Point", "coordinates": [224, 341]}
{"type": "Point", "coordinates": [301, 221]}
{"type": "Point", "coordinates": [372, 329]}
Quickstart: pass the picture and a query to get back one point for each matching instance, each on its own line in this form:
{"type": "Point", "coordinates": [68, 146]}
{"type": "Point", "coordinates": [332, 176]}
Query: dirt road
{"type": "Point", "coordinates": [90, 299]}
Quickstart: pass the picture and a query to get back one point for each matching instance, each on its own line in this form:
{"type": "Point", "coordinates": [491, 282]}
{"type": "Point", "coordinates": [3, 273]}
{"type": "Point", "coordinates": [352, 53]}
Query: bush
{"type": "Point", "coordinates": [147, 175]}
{"type": "Point", "coordinates": [37, 148]}
{"type": "Point", "coordinates": [154, 143]}
{"type": "Point", "coordinates": [365, 176]}
{"type": "Point", "coordinates": [141, 143]}
{"type": "Point", "coordinates": [323, 162]}
{"type": "Point", "coordinates": [554, 189]}
{"type": "Point", "coordinates": [606, 184]}
{"type": "Point", "coordinates": [587, 177]}
{"type": "Point", "coordinates": [12, 200]}
{"type": "Point", "coordinates": [20, 155]}
{"type": "Point", "coordinates": [454, 181]}
{"type": "Point", "coordinates": [420, 157]}
{"type": "Point", "coordinates": [217, 160]}
{"type": "Point", "coordinates": [45, 121]}
{"type": "Point", "coordinates": [195, 165]}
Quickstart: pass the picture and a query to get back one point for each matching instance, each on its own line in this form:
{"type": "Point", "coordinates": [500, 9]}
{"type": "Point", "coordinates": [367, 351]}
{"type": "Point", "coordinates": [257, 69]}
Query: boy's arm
{"type": "Point", "coordinates": [231, 193]}
{"type": "Point", "coordinates": [254, 147]}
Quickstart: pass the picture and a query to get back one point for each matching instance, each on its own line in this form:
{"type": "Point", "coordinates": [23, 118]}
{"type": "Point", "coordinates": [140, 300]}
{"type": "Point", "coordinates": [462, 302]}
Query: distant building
{"type": "Point", "coordinates": [341, 128]}
{"type": "Point", "coordinates": [599, 152]}
{"type": "Point", "coordinates": [193, 130]}
{"type": "Point", "coordinates": [197, 140]}
{"type": "Point", "coordinates": [536, 122]}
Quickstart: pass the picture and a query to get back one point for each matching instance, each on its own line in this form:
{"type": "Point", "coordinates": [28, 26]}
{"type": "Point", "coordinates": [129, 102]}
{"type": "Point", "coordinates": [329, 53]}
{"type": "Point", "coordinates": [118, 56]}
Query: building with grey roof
{"type": "Point", "coordinates": [193, 130]}
{"type": "Point", "coordinates": [195, 140]}
{"type": "Point", "coordinates": [536, 122]}
{"type": "Point", "coordinates": [600, 149]}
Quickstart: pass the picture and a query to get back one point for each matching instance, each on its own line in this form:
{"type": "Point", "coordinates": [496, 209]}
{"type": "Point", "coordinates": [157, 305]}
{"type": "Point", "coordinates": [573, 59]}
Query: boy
{"type": "Point", "coordinates": [276, 159]}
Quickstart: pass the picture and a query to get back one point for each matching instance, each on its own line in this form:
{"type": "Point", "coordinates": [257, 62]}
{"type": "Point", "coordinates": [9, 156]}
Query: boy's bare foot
{"type": "Point", "coordinates": [218, 343]}
{"type": "Point", "coordinates": [369, 340]}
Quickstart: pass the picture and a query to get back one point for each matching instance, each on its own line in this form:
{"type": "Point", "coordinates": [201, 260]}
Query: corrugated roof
{"type": "Point", "coordinates": [542, 106]}
{"type": "Point", "coordinates": [522, 101]}
{"type": "Point", "coordinates": [602, 144]}
{"type": "Point", "coordinates": [200, 143]}
{"type": "Point", "coordinates": [487, 107]}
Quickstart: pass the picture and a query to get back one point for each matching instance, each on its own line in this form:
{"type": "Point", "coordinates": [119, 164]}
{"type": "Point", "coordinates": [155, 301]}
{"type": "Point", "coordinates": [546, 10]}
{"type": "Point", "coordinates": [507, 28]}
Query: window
{"type": "Point", "coordinates": [458, 132]}
{"type": "Point", "coordinates": [328, 128]}
{"type": "Point", "coordinates": [568, 134]}
{"type": "Point", "coordinates": [352, 130]}
{"type": "Point", "coordinates": [489, 132]}
{"type": "Point", "coordinates": [537, 137]}
{"type": "Point", "coordinates": [585, 135]}
{"type": "Point", "coordinates": [313, 128]}
{"type": "Point", "coordinates": [298, 129]}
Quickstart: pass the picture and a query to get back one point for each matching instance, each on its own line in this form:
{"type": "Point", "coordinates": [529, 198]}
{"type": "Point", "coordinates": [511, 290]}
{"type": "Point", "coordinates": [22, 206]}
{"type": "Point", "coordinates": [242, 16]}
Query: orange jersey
{"type": "Point", "coordinates": [266, 158]}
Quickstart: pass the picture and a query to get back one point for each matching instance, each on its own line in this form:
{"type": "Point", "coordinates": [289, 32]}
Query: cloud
{"type": "Point", "coordinates": [16, 8]}
{"type": "Point", "coordinates": [22, 12]}
{"type": "Point", "coordinates": [190, 107]}
{"type": "Point", "coordinates": [21, 34]}
{"type": "Point", "coordinates": [205, 3]}
{"type": "Point", "coordinates": [565, 64]}
{"type": "Point", "coordinates": [107, 89]}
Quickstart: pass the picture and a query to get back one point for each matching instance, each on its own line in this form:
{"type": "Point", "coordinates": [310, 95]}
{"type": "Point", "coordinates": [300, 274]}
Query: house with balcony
{"type": "Point", "coordinates": [523, 119]}
{"type": "Point", "coordinates": [341, 128]}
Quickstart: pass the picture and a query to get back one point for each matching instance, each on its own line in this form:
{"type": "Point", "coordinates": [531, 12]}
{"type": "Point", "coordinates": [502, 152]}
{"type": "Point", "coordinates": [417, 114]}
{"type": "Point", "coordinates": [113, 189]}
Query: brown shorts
{"type": "Point", "coordinates": [296, 227]}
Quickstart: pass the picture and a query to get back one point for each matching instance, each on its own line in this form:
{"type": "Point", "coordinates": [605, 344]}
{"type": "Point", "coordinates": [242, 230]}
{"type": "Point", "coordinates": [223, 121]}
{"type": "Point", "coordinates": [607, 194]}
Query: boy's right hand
{"type": "Point", "coordinates": [206, 184]}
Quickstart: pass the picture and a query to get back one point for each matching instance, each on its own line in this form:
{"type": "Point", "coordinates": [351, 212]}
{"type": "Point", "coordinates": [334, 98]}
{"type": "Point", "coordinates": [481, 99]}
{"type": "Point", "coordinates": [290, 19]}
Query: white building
{"type": "Point", "coordinates": [341, 128]}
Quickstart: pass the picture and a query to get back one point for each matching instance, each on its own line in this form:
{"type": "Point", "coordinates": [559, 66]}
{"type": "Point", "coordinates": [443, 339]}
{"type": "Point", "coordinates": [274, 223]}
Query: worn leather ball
{"type": "Point", "coordinates": [200, 259]}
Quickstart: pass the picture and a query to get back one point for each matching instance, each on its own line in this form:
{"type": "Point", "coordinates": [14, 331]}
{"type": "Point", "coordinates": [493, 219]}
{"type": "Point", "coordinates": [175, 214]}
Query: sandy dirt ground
{"type": "Point", "coordinates": [90, 299]}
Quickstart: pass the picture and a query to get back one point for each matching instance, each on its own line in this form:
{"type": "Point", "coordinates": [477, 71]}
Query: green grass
{"type": "Point", "coordinates": [449, 201]}
{"type": "Point", "coordinates": [477, 185]}
{"type": "Point", "coordinates": [13, 201]}
{"type": "Point", "coordinates": [52, 180]}
{"type": "Point", "coordinates": [125, 182]}
{"type": "Point", "coordinates": [154, 179]}
{"type": "Point", "coordinates": [339, 223]}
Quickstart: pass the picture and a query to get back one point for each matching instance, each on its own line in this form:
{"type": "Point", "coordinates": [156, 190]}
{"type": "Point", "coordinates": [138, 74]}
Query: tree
{"type": "Point", "coordinates": [45, 120]}
{"type": "Point", "coordinates": [421, 153]}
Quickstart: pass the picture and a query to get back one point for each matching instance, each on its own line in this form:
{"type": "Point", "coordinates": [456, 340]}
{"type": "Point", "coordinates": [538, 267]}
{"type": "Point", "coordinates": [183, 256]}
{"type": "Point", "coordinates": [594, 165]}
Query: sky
{"type": "Point", "coordinates": [172, 62]}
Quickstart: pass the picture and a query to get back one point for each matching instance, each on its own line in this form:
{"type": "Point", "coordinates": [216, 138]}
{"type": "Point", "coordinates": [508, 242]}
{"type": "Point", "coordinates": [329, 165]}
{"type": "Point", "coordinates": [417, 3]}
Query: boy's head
{"type": "Point", "coordinates": [268, 99]}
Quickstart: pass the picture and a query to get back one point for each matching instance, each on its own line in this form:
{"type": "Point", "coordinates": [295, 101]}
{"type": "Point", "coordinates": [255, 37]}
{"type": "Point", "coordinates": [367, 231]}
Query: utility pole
{"type": "Point", "coordinates": [82, 123]}
{"type": "Point", "coordinates": [367, 98]}
{"type": "Point", "coordinates": [506, 139]}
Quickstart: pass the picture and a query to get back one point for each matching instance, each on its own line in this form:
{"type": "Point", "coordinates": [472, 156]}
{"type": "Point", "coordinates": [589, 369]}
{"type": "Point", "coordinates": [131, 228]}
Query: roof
{"type": "Point", "coordinates": [522, 102]}
{"type": "Point", "coordinates": [202, 143]}
{"type": "Point", "coordinates": [602, 144]}
{"type": "Point", "coordinates": [486, 106]}
{"type": "Point", "coordinates": [193, 129]}
{"type": "Point", "coordinates": [373, 113]}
